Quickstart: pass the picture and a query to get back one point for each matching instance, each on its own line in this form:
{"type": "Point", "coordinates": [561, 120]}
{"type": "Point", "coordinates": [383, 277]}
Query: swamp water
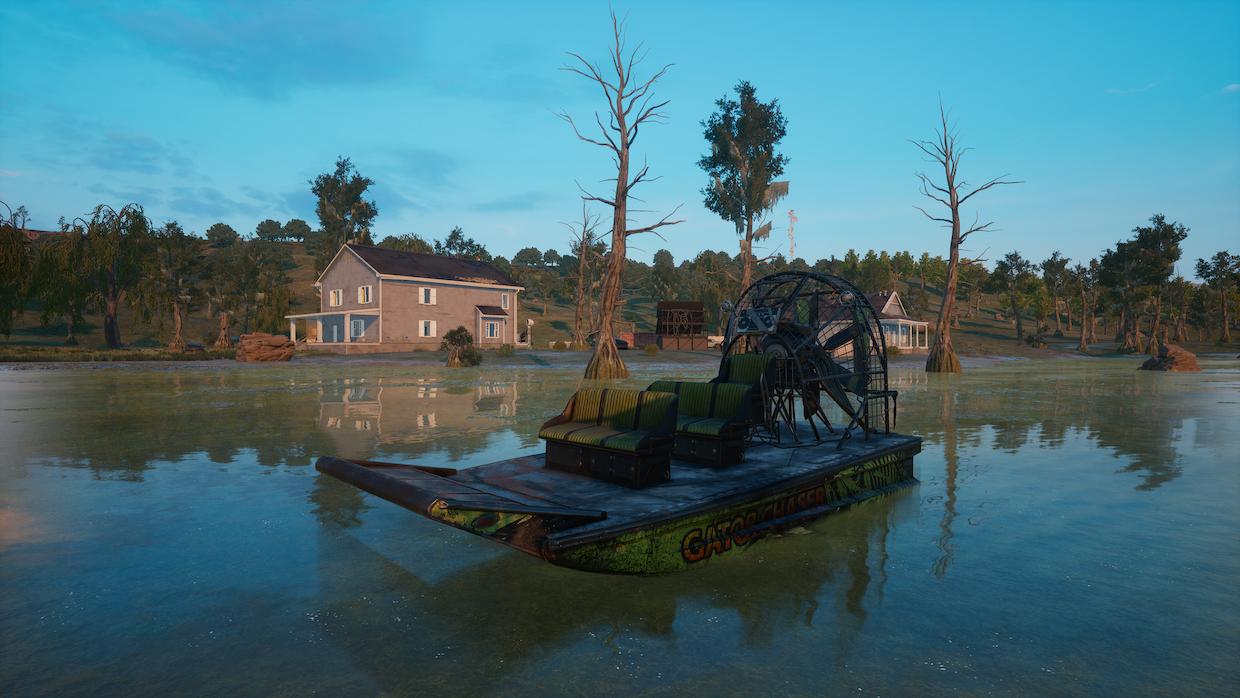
{"type": "Point", "coordinates": [1075, 530]}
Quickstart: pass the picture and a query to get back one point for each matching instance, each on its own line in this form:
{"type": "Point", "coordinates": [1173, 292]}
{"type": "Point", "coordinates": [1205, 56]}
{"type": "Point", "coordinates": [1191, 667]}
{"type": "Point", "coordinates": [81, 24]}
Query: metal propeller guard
{"type": "Point", "coordinates": [825, 338]}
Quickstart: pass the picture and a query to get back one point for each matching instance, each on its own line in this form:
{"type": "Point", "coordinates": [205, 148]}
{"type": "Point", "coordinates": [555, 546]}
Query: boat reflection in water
{"type": "Point", "coordinates": [490, 624]}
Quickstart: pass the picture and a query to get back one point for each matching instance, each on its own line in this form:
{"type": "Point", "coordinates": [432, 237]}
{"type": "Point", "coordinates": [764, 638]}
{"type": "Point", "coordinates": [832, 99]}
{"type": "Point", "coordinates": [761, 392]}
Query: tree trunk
{"type": "Point", "coordinates": [111, 330]}
{"type": "Point", "coordinates": [1155, 325]}
{"type": "Point", "coordinates": [1067, 307]}
{"type": "Point", "coordinates": [1225, 336]}
{"type": "Point", "coordinates": [1055, 312]}
{"type": "Point", "coordinates": [746, 262]}
{"type": "Point", "coordinates": [1083, 345]}
{"type": "Point", "coordinates": [1020, 324]}
{"type": "Point", "coordinates": [224, 341]}
{"type": "Point", "coordinates": [942, 357]}
{"type": "Point", "coordinates": [178, 342]}
{"type": "Point", "coordinates": [579, 335]}
{"type": "Point", "coordinates": [71, 335]}
{"type": "Point", "coordinates": [606, 363]}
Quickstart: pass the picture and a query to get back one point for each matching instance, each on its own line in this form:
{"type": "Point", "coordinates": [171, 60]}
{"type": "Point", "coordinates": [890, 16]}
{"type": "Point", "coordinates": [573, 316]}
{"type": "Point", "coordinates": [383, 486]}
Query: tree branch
{"type": "Point", "coordinates": [652, 228]}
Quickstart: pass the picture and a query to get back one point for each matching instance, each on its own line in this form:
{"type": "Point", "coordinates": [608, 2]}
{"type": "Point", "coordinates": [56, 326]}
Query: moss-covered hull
{"type": "Point", "coordinates": [712, 516]}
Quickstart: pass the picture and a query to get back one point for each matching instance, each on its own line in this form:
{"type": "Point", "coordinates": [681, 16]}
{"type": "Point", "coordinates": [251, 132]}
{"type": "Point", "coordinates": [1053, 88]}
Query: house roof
{"type": "Point", "coordinates": [493, 310]}
{"type": "Point", "coordinates": [430, 266]}
{"type": "Point", "coordinates": [888, 306]}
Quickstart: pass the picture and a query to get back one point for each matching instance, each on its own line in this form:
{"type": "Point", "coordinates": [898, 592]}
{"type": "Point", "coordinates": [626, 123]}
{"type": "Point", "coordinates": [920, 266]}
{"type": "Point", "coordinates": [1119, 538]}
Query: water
{"type": "Point", "coordinates": [1075, 531]}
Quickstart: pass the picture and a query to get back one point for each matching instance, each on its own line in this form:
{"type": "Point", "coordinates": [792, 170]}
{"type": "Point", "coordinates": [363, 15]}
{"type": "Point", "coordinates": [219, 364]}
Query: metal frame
{"type": "Point", "coordinates": [827, 339]}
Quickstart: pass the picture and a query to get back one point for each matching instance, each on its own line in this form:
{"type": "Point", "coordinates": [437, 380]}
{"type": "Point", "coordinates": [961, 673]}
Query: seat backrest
{"type": "Point", "coordinates": [620, 408]}
{"type": "Point", "coordinates": [732, 400]}
{"type": "Point", "coordinates": [708, 399]}
{"type": "Point", "coordinates": [744, 368]}
{"type": "Point", "coordinates": [587, 404]}
{"type": "Point", "coordinates": [658, 413]}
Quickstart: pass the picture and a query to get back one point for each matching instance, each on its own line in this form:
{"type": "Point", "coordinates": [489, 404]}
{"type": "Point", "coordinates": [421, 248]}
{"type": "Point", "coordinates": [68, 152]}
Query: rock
{"type": "Point", "coordinates": [264, 347]}
{"type": "Point", "coordinates": [1172, 358]}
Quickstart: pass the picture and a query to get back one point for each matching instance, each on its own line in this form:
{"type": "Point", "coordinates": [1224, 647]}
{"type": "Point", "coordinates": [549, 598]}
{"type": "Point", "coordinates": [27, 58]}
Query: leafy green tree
{"type": "Point", "coordinates": [875, 273]}
{"type": "Point", "coordinates": [1085, 281]}
{"type": "Point", "coordinates": [170, 282]}
{"type": "Point", "coordinates": [661, 281]}
{"type": "Point", "coordinates": [1136, 272]}
{"type": "Point", "coordinates": [459, 344]}
{"type": "Point", "coordinates": [344, 213]}
{"type": "Point", "coordinates": [297, 230]}
{"type": "Point", "coordinates": [269, 230]}
{"type": "Point", "coordinates": [1221, 273]}
{"type": "Point", "coordinates": [222, 235]}
{"type": "Point", "coordinates": [16, 267]}
{"type": "Point", "coordinates": [1013, 278]}
{"type": "Point", "coordinates": [743, 165]}
{"type": "Point", "coordinates": [60, 286]}
{"type": "Point", "coordinates": [115, 256]}
{"type": "Point", "coordinates": [409, 242]}
{"type": "Point", "coordinates": [1055, 277]}
{"type": "Point", "coordinates": [457, 245]}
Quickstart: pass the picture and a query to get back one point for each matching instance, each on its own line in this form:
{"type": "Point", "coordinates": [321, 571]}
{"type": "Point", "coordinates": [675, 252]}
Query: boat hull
{"type": "Point", "coordinates": [695, 532]}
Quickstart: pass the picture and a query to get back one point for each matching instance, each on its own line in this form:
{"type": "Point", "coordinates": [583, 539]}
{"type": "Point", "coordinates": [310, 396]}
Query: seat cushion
{"type": "Point", "coordinates": [713, 426]}
{"type": "Point", "coordinates": [560, 432]}
{"type": "Point", "coordinates": [631, 441]}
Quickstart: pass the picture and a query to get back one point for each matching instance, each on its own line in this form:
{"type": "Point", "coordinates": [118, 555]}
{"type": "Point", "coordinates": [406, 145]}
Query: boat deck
{"type": "Point", "coordinates": [693, 487]}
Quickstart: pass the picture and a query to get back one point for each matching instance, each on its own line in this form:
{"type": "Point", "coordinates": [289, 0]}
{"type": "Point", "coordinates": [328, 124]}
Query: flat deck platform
{"type": "Point", "coordinates": [693, 487]}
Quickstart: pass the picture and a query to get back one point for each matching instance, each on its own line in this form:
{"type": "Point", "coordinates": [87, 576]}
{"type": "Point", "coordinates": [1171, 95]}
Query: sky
{"type": "Point", "coordinates": [222, 111]}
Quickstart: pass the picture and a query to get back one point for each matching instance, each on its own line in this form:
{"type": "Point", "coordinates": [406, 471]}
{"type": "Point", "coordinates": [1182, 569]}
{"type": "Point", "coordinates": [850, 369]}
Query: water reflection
{"type": "Point", "coordinates": [1140, 419]}
{"type": "Point", "coordinates": [477, 628]}
{"type": "Point", "coordinates": [372, 416]}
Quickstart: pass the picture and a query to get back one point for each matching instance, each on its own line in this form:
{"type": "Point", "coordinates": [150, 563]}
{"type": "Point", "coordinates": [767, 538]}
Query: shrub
{"type": "Point", "coordinates": [459, 344]}
{"type": "Point", "coordinates": [505, 350]}
{"type": "Point", "coordinates": [893, 350]}
{"type": "Point", "coordinates": [651, 349]}
{"type": "Point", "coordinates": [560, 346]}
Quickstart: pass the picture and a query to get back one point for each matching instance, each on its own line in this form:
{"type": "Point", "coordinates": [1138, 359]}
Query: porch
{"type": "Point", "coordinates": [341, 328]}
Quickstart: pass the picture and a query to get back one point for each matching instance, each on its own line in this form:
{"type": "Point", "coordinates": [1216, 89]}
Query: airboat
{"type": "Point", "coordinates": [796, 424]}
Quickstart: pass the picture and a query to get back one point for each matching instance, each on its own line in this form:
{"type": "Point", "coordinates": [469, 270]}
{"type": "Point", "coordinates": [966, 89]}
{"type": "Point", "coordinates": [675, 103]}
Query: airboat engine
{"type": "Point", "coordinates": [822, 336]}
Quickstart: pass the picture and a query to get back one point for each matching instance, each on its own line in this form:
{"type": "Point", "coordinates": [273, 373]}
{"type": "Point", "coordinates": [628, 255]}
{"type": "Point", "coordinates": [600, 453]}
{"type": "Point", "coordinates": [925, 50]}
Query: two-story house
{"type": "Point", "coordinates": [374, 299]}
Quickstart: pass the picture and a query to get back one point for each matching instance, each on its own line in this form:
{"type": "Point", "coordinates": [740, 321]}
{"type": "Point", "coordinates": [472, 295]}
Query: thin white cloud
{"type": "Point", "coordinates": [1132, 90]}
{"type": "Point", "coordinates": [1233, 87]}
{"type": "Point", "coordinates": [10, 173]}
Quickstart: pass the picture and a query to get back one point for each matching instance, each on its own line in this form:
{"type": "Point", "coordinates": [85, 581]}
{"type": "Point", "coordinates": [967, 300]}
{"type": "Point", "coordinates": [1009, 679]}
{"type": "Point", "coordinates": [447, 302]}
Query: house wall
{"type": "Point", "coordinates": [455, 306]}
{"type": "Point", "coordinates": [347, 273]}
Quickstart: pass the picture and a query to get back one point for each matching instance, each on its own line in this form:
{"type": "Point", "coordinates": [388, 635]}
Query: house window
{"type": "Point", "coordinates": [357, 327]}
{"type": "Point", "coordinates": [363, 294]}
{"type": "Point", "coordinates": [428, 328]}
{"type": "Point", "coordinates": [492, 329]}
{"type": "Point", "coordinates": [427, 296]}
{"type": "Point", "coordinates": [336, 297]}
{"type": "Point", "coordinates": [503, 301]}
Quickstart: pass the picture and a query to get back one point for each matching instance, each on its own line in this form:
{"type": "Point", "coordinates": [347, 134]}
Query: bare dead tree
{"type": "Point", "coordinates": [630, 105]}
{"type": "Point", "coordinates": [584, 240]}
{"type": "Point", "coordinates": [945, 151]}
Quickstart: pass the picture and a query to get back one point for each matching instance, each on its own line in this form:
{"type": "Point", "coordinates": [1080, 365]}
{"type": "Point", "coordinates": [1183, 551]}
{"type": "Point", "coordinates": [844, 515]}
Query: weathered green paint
{"type": "Point", "coordinates": [692, 541]}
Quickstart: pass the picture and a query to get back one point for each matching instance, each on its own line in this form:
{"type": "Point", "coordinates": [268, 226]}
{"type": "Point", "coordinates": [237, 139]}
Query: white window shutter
{"type": "Point", "coordinates": [434, 296]}
{"type": "Point", "coordinates": [434, 327]}
{"type": "Point", "coordinates": [359, 295]}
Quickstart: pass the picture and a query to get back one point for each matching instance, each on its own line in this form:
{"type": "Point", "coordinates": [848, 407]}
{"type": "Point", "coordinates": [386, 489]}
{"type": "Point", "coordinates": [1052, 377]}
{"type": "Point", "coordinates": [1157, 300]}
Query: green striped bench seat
{"type": "Point", "coordinates": [755, 370]}
{"type": "Point", "coordinates": [613, 434]}
{"type": "Point", "coordinates": [711, 420]}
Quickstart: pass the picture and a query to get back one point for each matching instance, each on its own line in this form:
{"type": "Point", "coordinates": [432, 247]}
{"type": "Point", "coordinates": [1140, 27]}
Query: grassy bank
{"type": "Point", "coordinates": [28, 354]}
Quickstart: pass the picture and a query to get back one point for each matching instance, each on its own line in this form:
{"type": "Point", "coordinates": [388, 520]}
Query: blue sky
{"type": "Point", "coordinates": [219, 111]}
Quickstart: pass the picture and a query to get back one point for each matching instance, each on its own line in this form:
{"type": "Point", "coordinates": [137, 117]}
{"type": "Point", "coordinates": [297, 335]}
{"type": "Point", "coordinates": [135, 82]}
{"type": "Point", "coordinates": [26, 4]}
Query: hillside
{"type": "Point", "coordinates": [977, 336]}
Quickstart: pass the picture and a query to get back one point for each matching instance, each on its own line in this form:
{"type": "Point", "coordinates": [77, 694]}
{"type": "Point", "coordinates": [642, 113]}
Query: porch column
{"type": "Point", "coordinates": [320, 335]}
{"type": "Point", "coordinates": [292, 331]}
{"type": "Point", "coordinates": [348, 329]}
